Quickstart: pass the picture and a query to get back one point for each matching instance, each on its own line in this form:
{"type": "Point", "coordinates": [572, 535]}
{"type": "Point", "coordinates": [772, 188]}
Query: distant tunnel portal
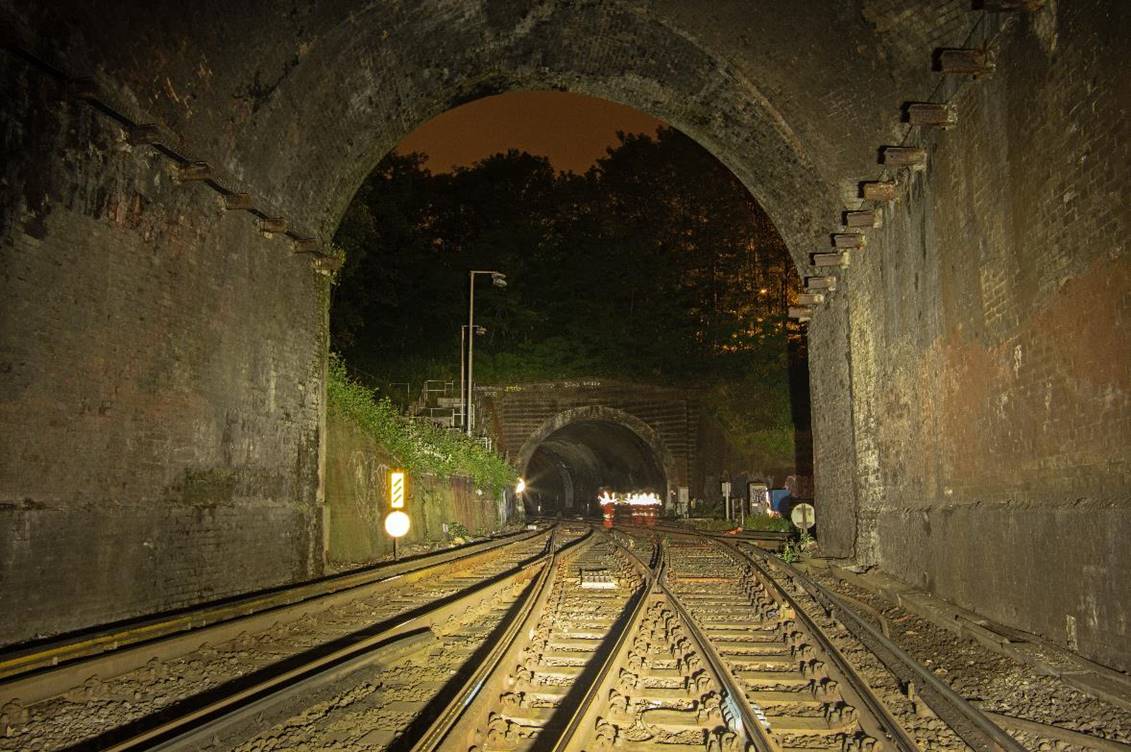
{"type": "Point", "coordinates": [569, 468]}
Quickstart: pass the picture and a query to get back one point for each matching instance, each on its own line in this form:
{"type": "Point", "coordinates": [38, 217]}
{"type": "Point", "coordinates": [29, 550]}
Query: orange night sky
{"type": "Point", "coordinates": [571, 129]}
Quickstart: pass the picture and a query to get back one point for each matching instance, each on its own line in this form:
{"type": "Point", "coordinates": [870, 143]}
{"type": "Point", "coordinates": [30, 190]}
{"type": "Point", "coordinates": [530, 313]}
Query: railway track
{"type": "Point", "coordinates": [804, 695]}
{"type": "Point", "coordinates": [931, 696]}
{"type": "Point", "coordinates": [606, 662]}
{"type": "Point", "coordinates": [106, 699]}
{"type": "Point", "coordinates": [585, 639]}
{"type": "Point", "coordinates": [710, 651]}
{"type": "Point", "coordinates": [528, 692]}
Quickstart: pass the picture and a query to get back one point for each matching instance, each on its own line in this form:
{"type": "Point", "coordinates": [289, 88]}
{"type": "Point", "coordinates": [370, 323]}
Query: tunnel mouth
{"type": "Point", "coordinates": [574, 464]}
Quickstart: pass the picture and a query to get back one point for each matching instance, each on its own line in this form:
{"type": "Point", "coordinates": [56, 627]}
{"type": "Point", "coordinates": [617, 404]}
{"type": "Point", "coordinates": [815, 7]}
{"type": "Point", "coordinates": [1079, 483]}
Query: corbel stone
{"type": "Point", "coordinates": [849, 240]}
{"type": "Point", "coordinates": [974, 62]}
{"type": "Point", "coordinates": [932, 115]}
{"type": "Point", "coordinates": [192, 171]}
{"type": "Point", "coordinates": [272, 225]}
{"type": "Point", "coordinates": [839, 259]}
{"type": "Point", "coordinates": [913, 157]}
{"type": "Point", "coordinates": [824, 282]}
{"type": "Point", "coordinates": [327, 265]}
{"type": "Point", "coordinates": [879, 190]}
{"type": "Point", "coordinates": [306, 245]}
{"type": "Point", "coordinates": [863, 218]}
{"type": "Point", "coordinates": [238, 202]}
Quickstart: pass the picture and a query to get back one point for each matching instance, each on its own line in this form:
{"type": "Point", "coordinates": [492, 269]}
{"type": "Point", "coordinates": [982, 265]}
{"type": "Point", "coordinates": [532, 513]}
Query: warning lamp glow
{"type": "Point", "coordinates": [520, 486]}
{"type": "Point", "coordinates": [397, 484]}
{"type": "Point", "coordinates": [397, 524]}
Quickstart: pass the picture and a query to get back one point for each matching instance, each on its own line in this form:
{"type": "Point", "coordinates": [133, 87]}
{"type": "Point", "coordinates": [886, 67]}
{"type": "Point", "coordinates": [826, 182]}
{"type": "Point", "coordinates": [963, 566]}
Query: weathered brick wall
{"type": "Point", "coordinates": [160, 381]}
{"type": "Point", "coordinates": [357, 499]}
{"type": "Point", "coordinates": [516, 413]}
{"type": "Point", "coordinates": [834, 465]}
{"type": "Point", "coordinates": [990, 355]}
{"type": "Point", "coordinates": [970, 387]}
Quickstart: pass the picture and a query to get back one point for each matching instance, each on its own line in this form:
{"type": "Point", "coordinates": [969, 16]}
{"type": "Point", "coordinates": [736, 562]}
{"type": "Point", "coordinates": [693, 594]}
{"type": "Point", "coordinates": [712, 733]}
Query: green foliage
{"type": "Point", "coordinates": [795, 551]}
{"type": "Point", "coordinates": [457, 530]}
{"type": "Point", "coordinates": [421, 447]}
{"type": "Point", "coordinates": [767, 522]}
{"type": "Point", "coordinates": [757, 413]}
{"type": "Point", "coordinates": [711, 523]}
{"type": "Point", "coordinates": [752, 522]}
{"type": "Point", "coordinates": [657, 265]}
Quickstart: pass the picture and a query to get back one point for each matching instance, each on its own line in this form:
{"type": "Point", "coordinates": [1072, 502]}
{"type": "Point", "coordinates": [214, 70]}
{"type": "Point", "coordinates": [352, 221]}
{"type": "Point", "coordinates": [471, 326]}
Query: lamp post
{"type": "Point", "coordinates": [479, 332]}
{"type": "Point", "coordinates": [498, 279]}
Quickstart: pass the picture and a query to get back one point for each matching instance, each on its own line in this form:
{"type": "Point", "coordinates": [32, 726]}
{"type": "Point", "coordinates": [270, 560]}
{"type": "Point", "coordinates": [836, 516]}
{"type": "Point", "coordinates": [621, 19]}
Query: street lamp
{"type": "Point", "coordinates": [498, 279]}
{"type": "Point", "coordinates": [479, 332]}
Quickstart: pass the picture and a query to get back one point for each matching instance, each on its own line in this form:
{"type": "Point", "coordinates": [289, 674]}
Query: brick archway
{"type": "Point", "coordinates": [602, 414]}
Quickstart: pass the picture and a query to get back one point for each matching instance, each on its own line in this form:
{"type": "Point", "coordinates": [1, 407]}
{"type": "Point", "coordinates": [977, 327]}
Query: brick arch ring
{"type": "Point", "coordinates": [603, 414]}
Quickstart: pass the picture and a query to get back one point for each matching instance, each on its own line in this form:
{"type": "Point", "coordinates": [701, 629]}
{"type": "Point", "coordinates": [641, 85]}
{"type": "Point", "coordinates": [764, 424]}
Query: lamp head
{"type": "Point", "coordinates": [498, 279]}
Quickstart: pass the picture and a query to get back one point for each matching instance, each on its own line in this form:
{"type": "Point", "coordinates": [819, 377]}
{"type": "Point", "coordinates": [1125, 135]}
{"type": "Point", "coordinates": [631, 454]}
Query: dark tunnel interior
{"type": "Point", "coordinates": [573, 465]}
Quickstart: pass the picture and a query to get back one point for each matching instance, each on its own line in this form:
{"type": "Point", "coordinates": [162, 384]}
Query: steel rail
{"type": "Point", "coordinates": [455, 726]}
{"type": "Point", "coordinates": [635, 613]}
{"type": "Point", "coordinates": [769, 536]}
{"type": "Point", "coordinates": [964, 719]}
{"type": "Point", "coordinates": [196, 730]}
{"type": "Point", "coordinates": [885, 723]}
{"type": "Point", "coordinates": [404, 634]}
{"type": "Point", "coordinates": [43, 672]}
{"type": "Point", "coordinates": [656, 573]}
{"type": "Point", "coordinates": [440, 729]}
{"type": "Point", "coordinates": [751, 727]}
{"type": "Point", "coordinates": [14, 662]}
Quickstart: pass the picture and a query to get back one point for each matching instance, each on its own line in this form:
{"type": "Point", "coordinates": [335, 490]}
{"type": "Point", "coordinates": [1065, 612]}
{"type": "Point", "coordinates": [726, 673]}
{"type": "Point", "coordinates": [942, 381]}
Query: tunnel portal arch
{"type": "Point", "coordinates": [294, 109]}
{"type": "Point", "coordinates": [617, 422]}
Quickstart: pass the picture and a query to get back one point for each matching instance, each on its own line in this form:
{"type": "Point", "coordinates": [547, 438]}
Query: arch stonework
{"type": "Point", "coordinates": [603, 413]}
{"type": "Point", "coordinates": [955, 345]}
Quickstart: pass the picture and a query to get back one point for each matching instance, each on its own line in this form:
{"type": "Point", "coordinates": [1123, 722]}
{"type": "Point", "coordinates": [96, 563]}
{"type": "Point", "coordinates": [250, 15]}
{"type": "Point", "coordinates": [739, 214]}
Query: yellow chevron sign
{"type": "Point", "coordinates": [397, 482]}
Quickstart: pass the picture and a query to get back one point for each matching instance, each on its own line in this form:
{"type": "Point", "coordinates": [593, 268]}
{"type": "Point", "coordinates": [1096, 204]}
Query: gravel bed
{"type": "Point", "coordinates": [993, 681]}
{"type": "Point", "coordinates": [100, 706]}
{"type": "Point", "coordinates": [368, 713]}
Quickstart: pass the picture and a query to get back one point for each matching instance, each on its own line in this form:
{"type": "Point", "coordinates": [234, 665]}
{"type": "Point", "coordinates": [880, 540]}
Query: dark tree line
{"type": "Point", "coordinates": [655, 265]}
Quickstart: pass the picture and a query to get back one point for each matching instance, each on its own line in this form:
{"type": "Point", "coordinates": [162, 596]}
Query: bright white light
{"type": "Point", "coordinates": [397, 524]}
{"type": "Point", "coordinates": [643, 499]}
{"type": "Point", "coordinates": [635, 499]}
{"type": "Point", "coordinates": [520, 486]}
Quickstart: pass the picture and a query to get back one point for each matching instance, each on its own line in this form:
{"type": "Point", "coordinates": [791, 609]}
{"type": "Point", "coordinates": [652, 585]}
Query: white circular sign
{"type": "Point", "coordinates": [803, 516]}
{"type": "Point", "coordinates": [397, 524]}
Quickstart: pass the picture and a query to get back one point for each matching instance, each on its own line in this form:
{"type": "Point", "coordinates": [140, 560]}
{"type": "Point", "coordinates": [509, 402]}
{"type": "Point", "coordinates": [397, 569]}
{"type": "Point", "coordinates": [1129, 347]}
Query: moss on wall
{"type": "Point", "coordinates": [356, 494]}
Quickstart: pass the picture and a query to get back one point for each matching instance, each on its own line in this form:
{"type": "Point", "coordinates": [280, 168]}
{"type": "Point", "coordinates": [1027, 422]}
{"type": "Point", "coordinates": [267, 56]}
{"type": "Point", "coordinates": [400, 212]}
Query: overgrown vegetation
{"type": "Point", "coordinates": [421, 447]}
{"type": "Point", "coordinates": [457, 532]}
{"type": "Point", "coordinates": [752, 522]}
{"type": "Point", "coordinates": [795, 551]}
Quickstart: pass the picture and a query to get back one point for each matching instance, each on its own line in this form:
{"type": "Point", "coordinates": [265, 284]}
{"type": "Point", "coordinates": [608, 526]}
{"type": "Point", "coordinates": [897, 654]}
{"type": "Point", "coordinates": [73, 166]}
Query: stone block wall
{"type": "Point", "coordinates": [357, 499]}
{"type": "Point", "coordinates": [161, 361]}
{"type": "Point", "coordinates": [160, 380]}
{"type": "Point", "coordinates": [989, 355]}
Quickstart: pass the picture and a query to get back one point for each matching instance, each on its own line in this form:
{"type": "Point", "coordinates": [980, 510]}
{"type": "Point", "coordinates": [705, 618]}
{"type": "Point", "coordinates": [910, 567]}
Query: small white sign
{"type": "Point", "coordinates": [803, 516]}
